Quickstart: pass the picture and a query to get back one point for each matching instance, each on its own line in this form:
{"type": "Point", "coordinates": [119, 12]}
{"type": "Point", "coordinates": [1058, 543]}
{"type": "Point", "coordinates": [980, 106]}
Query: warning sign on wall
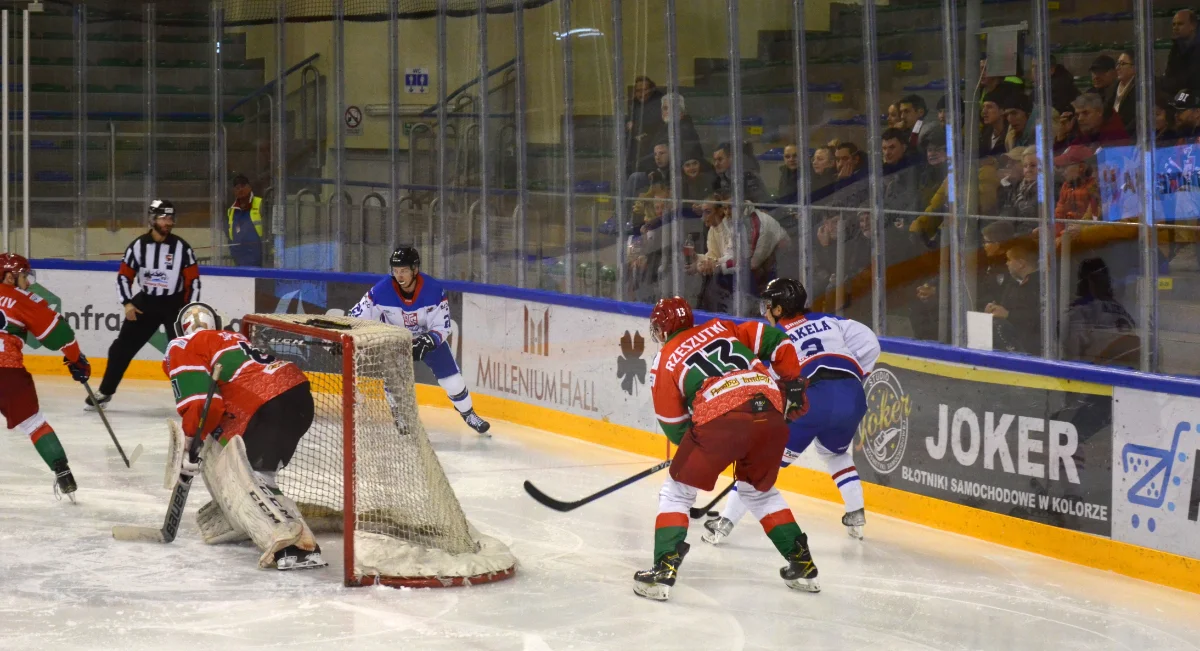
{"type": "Point", "coordinates": [353, 119]}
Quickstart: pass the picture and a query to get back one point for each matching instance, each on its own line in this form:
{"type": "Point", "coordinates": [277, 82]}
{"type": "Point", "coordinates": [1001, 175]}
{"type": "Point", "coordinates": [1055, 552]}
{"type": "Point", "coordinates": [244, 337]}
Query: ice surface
{"type": "Point", "coordinates": [66, 584]}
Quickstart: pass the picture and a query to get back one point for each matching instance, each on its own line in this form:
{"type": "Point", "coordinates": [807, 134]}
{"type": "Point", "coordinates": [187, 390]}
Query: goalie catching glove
{"type": "Point", "coordinates": [422, 345]}
{"type": "Point", "coordinates": [795, 395]}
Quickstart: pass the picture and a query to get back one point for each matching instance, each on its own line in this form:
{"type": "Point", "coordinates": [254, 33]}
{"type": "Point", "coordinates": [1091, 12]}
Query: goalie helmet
{"type": "Point", "coordinates": [784, 293]}
{"type": "Point", "coordinates": [195, 317]}
{"type": "Point", "coordinates": [406, 256]}
{"type": "Point", "coordinates": [670, 315]}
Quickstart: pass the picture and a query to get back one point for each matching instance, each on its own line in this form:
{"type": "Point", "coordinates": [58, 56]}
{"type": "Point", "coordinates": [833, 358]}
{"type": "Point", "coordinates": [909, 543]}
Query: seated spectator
{"type": "Point", "coordinates": [1124, 99]}
{"type": "Point", "coordinates": [900, 188]}
{"type": "Point", "coordinates": [941, 111]}
{"type": "Point", "coordinates": [1062, 84]}
{"type": "Point", "coordinates": [753, 188]}
{"type": "Point", "coordinates": [1079, 197]}
{"type": "Point", "coordinates": [789, 171]}
{"type": "Point", "coordinates": [1017, 313]}
{"type": "Point", "coordinates": [994, 128]}
{"type": "Point", "coordinates": [657, 170]}
{"type": "Point", "coordinates": [929, 224]}
{"type": "Point", "coordinates": [997, 237]}
{"type": "Point", "coordinates": [937, 165]}
{"type": "Point", "coordinates": [1104, 81]}
{"type": "Point", "coordinates": [1099, 329]}
{"type": "Point", "coordinates": [1164, 121]}
{"type": "Point", "coordinates": [1019, 201]}
{"type": "Point", "coordinates": [1183, 61]}
{"type": "Point", "coordinates": [642, 121]}
{"type": "Point", "coordinates": [718, 263]}
{"type": "Point", "coordinates": [1066, 129]}
{"type": "Point", "coordinates": [894, 121]}
{"type": "Point", "coordinates": [1017, 108]}
{"type": "Point", "coordinates": [689, 138]}
{"type": "Point", "coordinates": [697, 185]}
{"type": "Point", "coordinates": [1187, 116]}
{"type": "Point", "coordinates": [824, 167]}
{"type": "Point", "coordinates": [849, 160]}
{"type": "Point", "coordinates": [913, 113]}
{"type": "Point", "coordinates": [1094, 129]}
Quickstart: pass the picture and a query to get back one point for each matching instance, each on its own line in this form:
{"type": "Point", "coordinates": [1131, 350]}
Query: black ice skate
{"type": "Point", "coordinates": [718, 528]}
{"type": "Point", "coordinates": [855, 521]}
{"type": "Point", "coordinates": [64, 481]}
{"type": "Point", "coordinates": [801, 572]}
{"type": "Point", "coordinates": [475, 422]}
{"type": "Point", "coordinates": [102, 399]}
{"type": "Point", "coordinates": [655, 583]}
{"type": "Point", "coordinates": [294, 558]}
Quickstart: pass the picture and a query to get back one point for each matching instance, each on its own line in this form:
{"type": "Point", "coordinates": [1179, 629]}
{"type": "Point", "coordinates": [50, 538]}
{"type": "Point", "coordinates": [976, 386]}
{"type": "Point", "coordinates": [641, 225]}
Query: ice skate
{"type": "Point", "coordinates": [801, 572]}
{"type": "Point", "coordinates": [718, 528]}
{"type": "Point", "coordinates": [102, 400]}
{"type": "Point", "coordinates": [655, 583]}
{"type": "Point", "coordinates": [64, 481]}
{"type": "Point", "coordinates": [855, 521]}
{"type": "Point", "coordinates": [294, 558]}
{"type": "Point", "coordinates": [475, 422]}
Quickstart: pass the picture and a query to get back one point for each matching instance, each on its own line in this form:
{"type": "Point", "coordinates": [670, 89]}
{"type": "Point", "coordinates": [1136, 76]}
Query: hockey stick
{"type": "Point", "coordinates": [100, 410]}
{"type": "Point", "coordinates": [700, 512]}
{"type": "Point", "coordinates": [182, 485]}
{"type": "Point", "coordinates": [557, 505]}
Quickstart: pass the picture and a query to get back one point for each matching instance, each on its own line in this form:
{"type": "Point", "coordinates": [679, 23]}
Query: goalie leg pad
{"type": "Point", "coordinates": [215, 528]}
{"type": "Point", "coordinates": [250, 504]}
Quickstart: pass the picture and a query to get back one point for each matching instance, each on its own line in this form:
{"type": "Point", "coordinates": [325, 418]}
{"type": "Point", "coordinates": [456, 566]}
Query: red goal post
{"type": "Point", "coordinates": [366, 468]}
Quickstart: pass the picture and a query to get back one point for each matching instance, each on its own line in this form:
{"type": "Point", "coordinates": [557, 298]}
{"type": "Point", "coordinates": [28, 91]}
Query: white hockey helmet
{"type": "Point", "coordinates": [195, 317]}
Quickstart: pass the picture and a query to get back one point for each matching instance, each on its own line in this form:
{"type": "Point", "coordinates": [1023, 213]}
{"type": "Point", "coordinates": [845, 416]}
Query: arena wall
{"type": "Point", "coordinates": [1090, 465]}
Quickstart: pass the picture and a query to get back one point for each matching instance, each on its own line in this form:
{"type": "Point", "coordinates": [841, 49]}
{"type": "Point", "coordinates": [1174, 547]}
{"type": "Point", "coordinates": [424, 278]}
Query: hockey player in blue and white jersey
{"type": "Point", "coordinates": [836, 355]}
{"type": "Point", "coordinates": [413, 300]}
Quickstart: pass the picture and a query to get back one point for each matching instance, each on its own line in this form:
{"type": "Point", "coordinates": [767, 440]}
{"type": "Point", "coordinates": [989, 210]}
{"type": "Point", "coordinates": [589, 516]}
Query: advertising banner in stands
{"type": "Point", "coordinates": [89, 302]}
{"type": "Point", "coordinates": [996, 441]}
{"type": "Point", "coordinates": [1176, 184]}
{"type": "Point", "coordinates": [336, 298]}
{"type": "Point", "coordinates": [1156, 480]}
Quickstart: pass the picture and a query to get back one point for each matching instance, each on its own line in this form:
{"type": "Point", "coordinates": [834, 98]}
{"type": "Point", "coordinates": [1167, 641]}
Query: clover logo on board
{"type": "Point", "coordinates": [631, 367]}
{"type": "Point", "coordinates": [883, 433]}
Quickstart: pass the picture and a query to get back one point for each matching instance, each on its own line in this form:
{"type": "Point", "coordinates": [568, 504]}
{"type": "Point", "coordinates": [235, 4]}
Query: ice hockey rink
{"type": "Point", "coordinates": [66, 584]}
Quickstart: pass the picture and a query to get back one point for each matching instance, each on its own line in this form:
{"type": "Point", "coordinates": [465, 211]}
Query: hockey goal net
{"type": "Point", "coordinates": [365, 467]}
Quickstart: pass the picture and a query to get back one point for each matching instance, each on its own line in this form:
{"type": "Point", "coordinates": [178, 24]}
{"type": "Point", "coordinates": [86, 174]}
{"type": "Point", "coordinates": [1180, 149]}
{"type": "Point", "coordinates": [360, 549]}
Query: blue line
{"type": "Point", "coordinates": [933, 351]}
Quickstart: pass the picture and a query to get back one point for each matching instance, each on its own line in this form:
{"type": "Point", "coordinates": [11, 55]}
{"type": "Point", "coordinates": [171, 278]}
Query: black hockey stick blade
{"type": "Point", "coordinates": [100, 410]}
{"type": "Point", "coordinates": [701, 511]}
{"type": "Point", "coordinates": [559, 505]}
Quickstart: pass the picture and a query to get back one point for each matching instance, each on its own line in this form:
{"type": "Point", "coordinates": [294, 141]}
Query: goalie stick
{"type": "Point", "coordinates": [557, 505]}
{"type": "Point", "coordinates": [700, 512]}
{"type": "Point", "coordinates": [182, 485]}
{"type": "Point", "coordinates": [137, 452]}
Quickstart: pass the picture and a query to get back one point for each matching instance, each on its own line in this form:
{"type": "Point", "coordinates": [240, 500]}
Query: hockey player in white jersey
{"type": "Point", "coordinates": [413, 300]}
{"type": "Point", "coordinates": [836, 355]}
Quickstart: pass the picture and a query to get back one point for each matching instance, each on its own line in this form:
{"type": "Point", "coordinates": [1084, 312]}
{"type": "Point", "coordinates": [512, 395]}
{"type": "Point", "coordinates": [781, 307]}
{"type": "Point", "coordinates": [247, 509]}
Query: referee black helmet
{"type": "Point", "coordinates": [161, 208]}
{"type": "Point", "coordinates": [406, 256]}
{"type": "Point", "coordinates": [784, 293]}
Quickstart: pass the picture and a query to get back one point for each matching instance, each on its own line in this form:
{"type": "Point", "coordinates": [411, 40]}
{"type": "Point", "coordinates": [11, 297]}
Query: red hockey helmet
{"type": "Point", "coordinates": [670, 315]}
{"type": "Point", "coordinates": [14, 263]}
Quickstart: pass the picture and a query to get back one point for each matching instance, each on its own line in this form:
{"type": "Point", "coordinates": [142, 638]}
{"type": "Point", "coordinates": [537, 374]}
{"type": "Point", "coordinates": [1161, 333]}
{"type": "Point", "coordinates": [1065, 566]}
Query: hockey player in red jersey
{"type": "Point", "coordinates": [716, 400]}
{"type": "Point", "coordinates": [22, 313]}
{"type": "Point", "coordinates": [259, 412]}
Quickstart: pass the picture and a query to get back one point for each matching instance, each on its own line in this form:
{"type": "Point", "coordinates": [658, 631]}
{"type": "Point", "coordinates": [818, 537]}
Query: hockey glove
{"type": "Point", "coordinates": [81, 369]}
{"type": "Point", "coordinates": [187, 467]}
{"type": "Point", "coordinates": [795, 397]}
{"type": "Point", "coordinates": [422, 346]}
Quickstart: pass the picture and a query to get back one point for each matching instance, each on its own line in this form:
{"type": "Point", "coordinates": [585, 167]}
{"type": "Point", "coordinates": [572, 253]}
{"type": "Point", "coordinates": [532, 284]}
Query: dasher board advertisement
{"type": "Point", "coordinates": [1004, 442]}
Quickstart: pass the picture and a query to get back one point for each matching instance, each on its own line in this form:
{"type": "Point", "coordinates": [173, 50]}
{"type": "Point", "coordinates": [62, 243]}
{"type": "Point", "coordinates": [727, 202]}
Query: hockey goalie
{"type": "Point", "coordinates": [259, 411]}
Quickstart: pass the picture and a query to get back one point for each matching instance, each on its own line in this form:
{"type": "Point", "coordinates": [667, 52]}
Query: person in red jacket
{"type": "Point", "coordinates": [716, 400]}
{"type": "Point", "coordinates": [22, 314]}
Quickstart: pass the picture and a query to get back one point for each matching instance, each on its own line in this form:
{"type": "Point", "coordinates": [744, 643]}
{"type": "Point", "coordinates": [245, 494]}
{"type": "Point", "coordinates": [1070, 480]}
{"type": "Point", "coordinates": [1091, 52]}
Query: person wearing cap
{"type": "Point", "coordinates": [1124, 100]}
{"type": "Point", "coordinates": [1017, 108]}
{"type": "Point", "coordinates": [1104, 80]}
{"type": "Point", "coordinates": [1187, 116]}
{"type": "Point", "coordinates": [245, 225]}
{"type": "Point", "coordinates": [1096, 130]}
{"type": "Point", "coordinates": [1079, 197]}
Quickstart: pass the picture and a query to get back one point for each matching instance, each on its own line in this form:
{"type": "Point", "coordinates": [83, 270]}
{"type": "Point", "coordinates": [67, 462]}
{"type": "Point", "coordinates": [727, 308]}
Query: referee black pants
{"type": "Point", "coordinates": [135, 334]}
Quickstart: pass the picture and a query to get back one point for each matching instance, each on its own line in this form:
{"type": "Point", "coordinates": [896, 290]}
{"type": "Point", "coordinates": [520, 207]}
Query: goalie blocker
{"type": "Point", "coordinates": [260, 411]}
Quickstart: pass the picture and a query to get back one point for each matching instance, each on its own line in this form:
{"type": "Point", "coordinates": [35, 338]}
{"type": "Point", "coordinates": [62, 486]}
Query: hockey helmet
{"type": "Point", "coordinates": [13, 263]}
{"type": "Point", "coordinates": [784, 293]}
{"type": "Point", "coordinates": [670, 315]}
{"type": "Point", "coordinates": [161, 208]}
{"type": "Point", "coordinates": [195, 317]}
{"type": "Point", "coordinates": [406, 256]}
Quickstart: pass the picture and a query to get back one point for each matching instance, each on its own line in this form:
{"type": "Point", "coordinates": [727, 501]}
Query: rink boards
{"type": "Point", "coordinates": [1090, 465]}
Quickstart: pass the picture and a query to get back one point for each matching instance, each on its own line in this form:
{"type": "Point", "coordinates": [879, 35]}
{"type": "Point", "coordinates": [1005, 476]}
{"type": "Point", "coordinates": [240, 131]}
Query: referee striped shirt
{"type": "Point", "coordinates": [162, 269]}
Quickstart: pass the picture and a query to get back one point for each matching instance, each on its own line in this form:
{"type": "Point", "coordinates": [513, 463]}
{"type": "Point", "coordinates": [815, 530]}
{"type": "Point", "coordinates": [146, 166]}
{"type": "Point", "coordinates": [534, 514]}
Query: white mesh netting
{"type": "Point", "coordinates": [408, 521]}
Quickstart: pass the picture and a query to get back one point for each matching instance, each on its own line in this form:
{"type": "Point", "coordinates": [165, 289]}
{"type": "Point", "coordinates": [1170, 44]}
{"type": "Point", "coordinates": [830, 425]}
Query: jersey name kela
{"type": "Point", "coordinates": [826, 341]}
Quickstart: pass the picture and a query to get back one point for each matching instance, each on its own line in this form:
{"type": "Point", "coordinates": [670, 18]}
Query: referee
{"type": "Point", "coordinates": [166, 270]}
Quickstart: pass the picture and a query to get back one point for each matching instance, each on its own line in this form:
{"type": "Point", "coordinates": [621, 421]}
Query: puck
{"type": "Point", "coordinates": [713, 514]}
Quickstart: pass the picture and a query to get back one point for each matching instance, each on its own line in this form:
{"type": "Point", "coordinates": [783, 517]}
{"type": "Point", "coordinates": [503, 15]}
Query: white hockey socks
{"type": "Point", "coordinates": [761, 504]}
{"type": "Point", "coordinates": [735, 508]}
{"type": "Point", "coordinates": [845, 476]}
{"type": "Point", "coordinates": [456, 388]}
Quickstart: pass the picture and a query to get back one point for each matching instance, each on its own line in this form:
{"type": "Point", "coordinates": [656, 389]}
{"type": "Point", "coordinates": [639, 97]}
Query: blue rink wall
{"type": "Point", "coordinates": [1087, 464]}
